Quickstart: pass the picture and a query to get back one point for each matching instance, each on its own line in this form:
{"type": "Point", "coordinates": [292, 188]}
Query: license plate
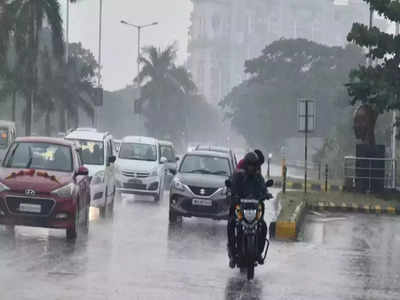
{"type": "Point", "coordinates": [30, 208]}
{"type": "Point", "coordinates": [135, 181]}
{"type": "Point", "coordinates": [202, 202]}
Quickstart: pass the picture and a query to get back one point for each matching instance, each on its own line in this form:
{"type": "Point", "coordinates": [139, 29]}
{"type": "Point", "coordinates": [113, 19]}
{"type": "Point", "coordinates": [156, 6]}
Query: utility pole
{"type": "Point", "coordinates": [394, 133]}
{"type": "Point", "coordinates": [67, 34]}
{"type": "Point", "coordinates": [99, 79]}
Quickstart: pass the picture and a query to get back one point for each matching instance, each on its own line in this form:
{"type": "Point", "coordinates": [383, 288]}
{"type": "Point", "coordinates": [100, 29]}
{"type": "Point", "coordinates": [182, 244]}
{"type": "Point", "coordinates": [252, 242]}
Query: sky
{"type": "Point", "coordinates": [119, 41]}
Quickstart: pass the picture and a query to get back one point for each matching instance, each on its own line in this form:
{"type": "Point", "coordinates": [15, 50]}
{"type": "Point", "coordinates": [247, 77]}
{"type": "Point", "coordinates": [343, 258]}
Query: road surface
{"type": "Point", "coordinates": [138, 256]}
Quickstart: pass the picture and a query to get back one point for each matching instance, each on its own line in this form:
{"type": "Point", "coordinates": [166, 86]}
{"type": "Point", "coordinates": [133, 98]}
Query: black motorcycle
{"type": "Point", "coordinates": [249, 216]}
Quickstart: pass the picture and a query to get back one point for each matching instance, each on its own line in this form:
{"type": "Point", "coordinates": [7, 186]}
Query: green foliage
{"type": "Point", "coordinates": [167, 89]}
{"type": "Point", "coordinates": [377, 85]}
{"type": "Point", "coordinates": [263, 108]}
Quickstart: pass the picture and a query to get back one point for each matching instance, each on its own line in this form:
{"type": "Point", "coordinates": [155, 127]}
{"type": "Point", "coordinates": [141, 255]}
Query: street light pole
{"type": "Point", "coordinates": [100, 89]}
{"type": "Point", "coordinates": [394, 133]}
{"type": "Point", "coordinates": [139, 29]}
{"type": "Point", "coordinates": [67, 34]}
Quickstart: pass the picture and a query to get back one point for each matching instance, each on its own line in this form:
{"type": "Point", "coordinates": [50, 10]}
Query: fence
{"type": "Point", "coordinates": [369, 174]}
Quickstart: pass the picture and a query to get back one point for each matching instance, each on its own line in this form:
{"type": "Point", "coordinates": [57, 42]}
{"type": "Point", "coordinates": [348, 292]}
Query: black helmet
{"type": "Point", "coordinates": [261, 158]}
{"type": "Point", "coordinates": [251, 159]}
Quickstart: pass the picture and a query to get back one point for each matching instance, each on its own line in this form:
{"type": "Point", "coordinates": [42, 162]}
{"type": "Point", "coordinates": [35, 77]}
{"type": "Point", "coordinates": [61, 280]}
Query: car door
{"type": "Point", "coordinates": [109, 170]}
{"type": "Point", "coordinates": [83, 184]}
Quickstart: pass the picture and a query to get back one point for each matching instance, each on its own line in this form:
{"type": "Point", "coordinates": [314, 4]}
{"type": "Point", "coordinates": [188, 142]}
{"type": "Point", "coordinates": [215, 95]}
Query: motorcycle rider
{"type": "Point", "coordinates": [247, 182]}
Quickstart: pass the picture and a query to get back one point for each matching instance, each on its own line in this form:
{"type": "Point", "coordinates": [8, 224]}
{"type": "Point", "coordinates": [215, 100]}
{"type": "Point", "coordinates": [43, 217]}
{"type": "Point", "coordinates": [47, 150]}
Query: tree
{"type": "Point", "coordinates": [166, 90]}
{"type": "Point", "coordinates": [377, 85]}
{"type": "Point", "coordinates": [67, 88]}
{"type": "Point", "coordinates": [27, 19]}
{"type": "Point", "coordinates": [263, 108]}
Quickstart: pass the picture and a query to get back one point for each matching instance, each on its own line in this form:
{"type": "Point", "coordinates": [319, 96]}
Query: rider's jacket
{"type": "Point", "coordinates": [245, 186]}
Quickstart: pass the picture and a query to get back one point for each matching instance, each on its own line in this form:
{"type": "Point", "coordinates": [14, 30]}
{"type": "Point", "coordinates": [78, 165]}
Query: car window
{"type": "Point", "coordinates": [92, 152]}
{"type": "Point", "coordinates": [3, 138]}
{"type": "Point", "coordinates": [200, 164]}
{"type": "Point", "coordinates": [137, 151]}
{"type": "Point", "coordinates": [43, 156]}
{"type": "Point", "coordinates": [168, 152]}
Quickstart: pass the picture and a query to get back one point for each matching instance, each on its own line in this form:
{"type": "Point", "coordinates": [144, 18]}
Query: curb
{"type": "Point", "coordinates": [288, 230]}
{"type": "Point", "coordinates": [311, 186]}
{"type": "Point", "coordinates": [352, 207]}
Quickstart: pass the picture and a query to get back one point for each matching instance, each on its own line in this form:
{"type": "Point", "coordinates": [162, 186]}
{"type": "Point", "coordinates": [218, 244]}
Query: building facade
{"type": "Point", "coordinates": [225, 33]}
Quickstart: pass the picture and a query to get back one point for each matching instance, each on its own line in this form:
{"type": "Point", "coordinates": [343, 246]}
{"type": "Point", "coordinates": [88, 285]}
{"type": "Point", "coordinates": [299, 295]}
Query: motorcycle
{"type": "Point", "coordinates": [249, 216]}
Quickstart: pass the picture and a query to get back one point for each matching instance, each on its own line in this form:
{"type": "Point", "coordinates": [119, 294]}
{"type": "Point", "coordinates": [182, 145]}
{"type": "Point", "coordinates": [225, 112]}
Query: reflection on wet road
{"type": "Point", "coordinates": [138, 256]}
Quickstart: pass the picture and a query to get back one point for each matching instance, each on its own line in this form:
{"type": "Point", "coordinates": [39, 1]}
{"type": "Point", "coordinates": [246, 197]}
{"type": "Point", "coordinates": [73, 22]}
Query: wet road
{"type": "Point", "coordinates": [137, 256]}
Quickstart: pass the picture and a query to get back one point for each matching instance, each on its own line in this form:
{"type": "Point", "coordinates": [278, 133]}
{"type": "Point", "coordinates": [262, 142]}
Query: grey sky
{"type": "Point", "coordinates": [119, 41]}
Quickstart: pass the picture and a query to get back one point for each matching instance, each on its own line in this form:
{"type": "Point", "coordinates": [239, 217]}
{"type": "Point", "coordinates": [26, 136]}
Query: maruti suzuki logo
{"type": "Point", "coordinates": [30, 192]}
{"type": "Point", "coordinates": [202, 191]}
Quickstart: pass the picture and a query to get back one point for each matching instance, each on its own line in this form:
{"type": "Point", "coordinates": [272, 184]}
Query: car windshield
{"type": "Point", "coordinates": [200, 164]}
{"type": "Point", "coordinates": [92, 152]}
{"type": "Point", "coordinates": [137, 151]}
{"type": "Point", "coordinates": [168, 153]}
{"type": "Point", "coordinates": [44, 156]}
{"type": "Point", "coordinates": [3, 138]}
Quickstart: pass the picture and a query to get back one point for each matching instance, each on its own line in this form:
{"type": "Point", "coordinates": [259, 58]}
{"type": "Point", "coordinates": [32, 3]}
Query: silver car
{"type": "Point", "coordinates": [198, 189]}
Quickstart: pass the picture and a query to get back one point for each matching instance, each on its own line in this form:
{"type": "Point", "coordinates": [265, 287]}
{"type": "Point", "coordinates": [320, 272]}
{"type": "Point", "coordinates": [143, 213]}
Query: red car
{"type": "Point", "coordinates": [44, 184]}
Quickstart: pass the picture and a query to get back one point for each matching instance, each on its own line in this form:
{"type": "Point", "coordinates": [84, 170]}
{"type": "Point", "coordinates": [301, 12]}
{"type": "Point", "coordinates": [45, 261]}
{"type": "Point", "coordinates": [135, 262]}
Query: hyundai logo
{"type": "Point", "coordinates": [202, 191]}
{"type": "Point", "coordinates": [30, 192]}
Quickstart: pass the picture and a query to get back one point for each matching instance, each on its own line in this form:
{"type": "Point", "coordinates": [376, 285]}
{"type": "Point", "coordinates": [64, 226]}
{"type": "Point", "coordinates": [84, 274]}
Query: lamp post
{"type": "Point", "coordinates": [139, 30]}
{"type": "Point", "coordinates": [269, 165]}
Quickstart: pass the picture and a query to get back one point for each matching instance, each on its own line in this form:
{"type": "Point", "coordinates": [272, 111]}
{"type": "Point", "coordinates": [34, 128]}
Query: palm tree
{"type": "Point", "coordinates": [166, 88]}
{"type": "Point", "coordinates": [28, 19]}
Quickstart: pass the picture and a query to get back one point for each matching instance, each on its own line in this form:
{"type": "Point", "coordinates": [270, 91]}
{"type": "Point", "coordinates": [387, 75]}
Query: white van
{"type": "Point", "coordinates": [140, 168]}
{"type": "Point", "coordinates": [7, 136]}
{"type": "Point", "coordinates": [97, 154]}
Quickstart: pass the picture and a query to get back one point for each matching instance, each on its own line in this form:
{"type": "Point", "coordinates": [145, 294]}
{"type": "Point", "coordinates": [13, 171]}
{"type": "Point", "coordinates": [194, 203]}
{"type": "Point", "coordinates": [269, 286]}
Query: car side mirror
{"type": "Point", "coordinates": [112, 159]}
{"type": "Point", "coordinates": [177, 158]}
{"type": "Point", "coordinates": [82, 171]}
{"type": "Point", "coordinates": [269, 183]}
{"type": "Point", "coordinates": [172, 171]}
{"type": "Point", "coordinates": [228, 183]}
{"type": "Point", "coordinates": [163, 160]}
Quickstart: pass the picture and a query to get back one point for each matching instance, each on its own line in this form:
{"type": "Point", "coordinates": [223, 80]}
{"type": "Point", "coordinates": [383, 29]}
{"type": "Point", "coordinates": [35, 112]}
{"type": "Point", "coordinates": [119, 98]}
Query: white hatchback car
{"type": "Point", "coordinates": [97, 154]}
{"type": "Point", "coordinates": [140, 168]}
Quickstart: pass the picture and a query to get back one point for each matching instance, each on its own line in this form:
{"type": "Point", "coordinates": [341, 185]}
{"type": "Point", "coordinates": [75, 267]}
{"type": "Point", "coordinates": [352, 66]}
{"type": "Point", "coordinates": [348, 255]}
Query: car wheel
{"type": "Point", "coordinates": [111, 206]}
{"type": "Point", "coordinates": [10, 230]}
{"type": "Point", "coordinates": [103, 209]}
{"type": "Point", "coordinates": [86, 221]}
{"type": "Point", "coordinates": [173, 217]}
{"type": "Point", "coordinates": [72, 230]}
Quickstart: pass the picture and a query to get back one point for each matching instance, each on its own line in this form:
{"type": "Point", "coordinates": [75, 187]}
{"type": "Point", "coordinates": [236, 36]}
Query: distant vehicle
{"type": "Point", "coordinates": [117, 145]}
{"type": "Point", "coordinates": [192, 146]}
{"type": "Point", "coordinates": [97, 154]}
{"type": "Point", "coordinates": [7, 136]}
{"type": "Point", "coordinates": [232, 155]}
{"type": "Point", "coordinates": [85, 129]}
{"type": "Point", "coordinates": [140, 167]}
{"type": "Point", "coordinates": [198, 189]}
{"type": "Point", "coordinates": [43, 183]}
{"type": "Point", "coordinates": [167, 150]}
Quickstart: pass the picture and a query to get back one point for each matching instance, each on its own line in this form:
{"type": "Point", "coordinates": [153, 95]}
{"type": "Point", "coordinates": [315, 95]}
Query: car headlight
{"type": "Point", "coordinates": [250, 215]}
{"type": "Point", "coordinates": [98, 178]}
{"type": "Point", "coordinates": [154, 173]}
{"type": "Point", "coordinates": [178, 185]}
{"type": "Point", "coordinates": [65, 191]}
{"type": "Point", "coordinates": [3, 187]}
{"type": "Point", "coordinates": [223, 191]}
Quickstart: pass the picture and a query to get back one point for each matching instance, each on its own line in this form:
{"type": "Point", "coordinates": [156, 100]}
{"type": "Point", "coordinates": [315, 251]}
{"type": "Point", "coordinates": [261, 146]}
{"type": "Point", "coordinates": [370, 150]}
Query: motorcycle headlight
{"type": "Point", "coordinates": [3, 187]}
{"type": "Point", "coordinates": [98, 178]}
{"type": "Point", "coordinates": [179, 185]}
{"type": "Point", "coordinates": [250, 215]}
{"type": "Point", "coordinates": [65, 191]}
{"type": "Point", "coordinates": [238, 212]}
